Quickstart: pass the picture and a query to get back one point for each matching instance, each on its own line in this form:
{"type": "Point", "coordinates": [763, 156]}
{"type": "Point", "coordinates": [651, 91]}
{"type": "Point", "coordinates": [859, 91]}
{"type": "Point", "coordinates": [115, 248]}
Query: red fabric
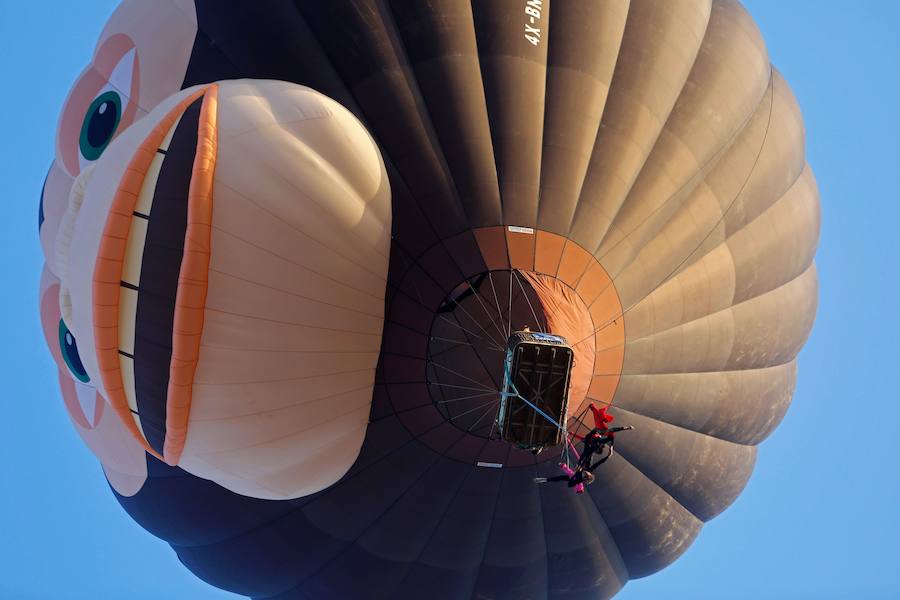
{"type": "Point", "coordinates": [601, 419]}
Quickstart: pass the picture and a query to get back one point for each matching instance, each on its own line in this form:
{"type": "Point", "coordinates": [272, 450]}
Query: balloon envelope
{"type": "Point", "coordinates": [286, 243]}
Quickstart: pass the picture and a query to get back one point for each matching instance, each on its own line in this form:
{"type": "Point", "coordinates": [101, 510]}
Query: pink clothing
{"type": "Point", "coordinates": [579, 488]}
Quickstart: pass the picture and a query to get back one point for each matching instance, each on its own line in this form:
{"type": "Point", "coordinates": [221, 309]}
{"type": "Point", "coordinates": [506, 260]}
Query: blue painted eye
{"type": "Point", "coordinates": [69, 349]}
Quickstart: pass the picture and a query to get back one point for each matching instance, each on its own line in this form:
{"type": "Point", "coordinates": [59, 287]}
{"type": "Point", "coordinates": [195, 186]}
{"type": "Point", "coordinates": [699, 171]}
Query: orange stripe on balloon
{"type": "Point", "coordinates": [108, 268]}
{"type": "Point", "coordinates": [193, 279]}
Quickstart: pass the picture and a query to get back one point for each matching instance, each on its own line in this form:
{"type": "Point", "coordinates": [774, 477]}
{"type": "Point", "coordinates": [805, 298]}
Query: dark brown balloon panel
{"type": "Point", "coordinates": [567, 182]}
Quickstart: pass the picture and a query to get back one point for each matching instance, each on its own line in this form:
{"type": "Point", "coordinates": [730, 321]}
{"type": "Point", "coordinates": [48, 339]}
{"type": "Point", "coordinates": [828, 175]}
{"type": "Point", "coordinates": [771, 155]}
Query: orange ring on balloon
{"type": "Point", "coordinates": [562, 258]}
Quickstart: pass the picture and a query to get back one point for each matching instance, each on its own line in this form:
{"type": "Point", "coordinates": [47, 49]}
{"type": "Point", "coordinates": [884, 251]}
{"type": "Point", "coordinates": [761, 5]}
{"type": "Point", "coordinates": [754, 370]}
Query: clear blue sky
{"type": "Point", "coordinates": [820, 517]}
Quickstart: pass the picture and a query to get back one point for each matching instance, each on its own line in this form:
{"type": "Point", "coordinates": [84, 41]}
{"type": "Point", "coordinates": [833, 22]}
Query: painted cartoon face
{"type": "Point", "coordinates": [120, 85]}
{"type": "Point", "coordinates": [239, 342]}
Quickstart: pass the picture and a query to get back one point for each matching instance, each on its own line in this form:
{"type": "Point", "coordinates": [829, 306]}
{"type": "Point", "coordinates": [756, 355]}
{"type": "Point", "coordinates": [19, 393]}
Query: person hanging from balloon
{"type": "Point", "coordinates": [601, 437]}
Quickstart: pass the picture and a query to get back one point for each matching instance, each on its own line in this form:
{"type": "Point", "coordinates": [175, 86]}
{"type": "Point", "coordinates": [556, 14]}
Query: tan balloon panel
{"type": "Point", "coordinates": [586, 40]}
{"type": "Point", "coordinates": [743, 238]}
{"type": "Point", "coordinates": [715, 104]}
{"type": "Point", "coordinates": [659, 47]}
{"type": "Point", "coordinates": [302, 205]}
{"type": "Point", "coordinates": [696, 201]}
{"type": "Point", "coordinates": [719, 295]}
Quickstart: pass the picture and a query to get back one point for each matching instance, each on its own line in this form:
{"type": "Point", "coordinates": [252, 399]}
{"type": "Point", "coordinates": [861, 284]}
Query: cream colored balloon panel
{"type": "Point", "coordinates": [248, 223]}
{"type": "Point", "coordinates": [229, 330]}
{"type": "Point", "coordinates": [238, 259]}
{"type": "Point", "coordinates": [283, 276]}
{"type": "Point", "coordinates": [225, 366]}
{"type": "Point", "coordinates": [770, 329]}
{"type": "Point", "coordinates": [297, 464]}
{"type": "Point", "coordinates": [594, 536]}
{"type": "Point", "coordinates": [652, 315]}
{"type": "Point", "coordinates": [266, 424]}
{"type": "Point", "coordinates": [657, 262]}
{"type": "Point", "coordinates": [299, 185]}
{"type": "Point", "coordinates": [733, 182]}
{"type": "Point", "coordinates": [53, 207]}
{"type": "Point", "coordinates": [230, 294]}
{"type": "Point", "coordinates": [254, 397]}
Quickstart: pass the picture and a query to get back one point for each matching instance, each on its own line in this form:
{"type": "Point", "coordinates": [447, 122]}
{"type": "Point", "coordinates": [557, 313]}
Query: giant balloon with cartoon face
{"type": "Point", "coordinates": [285, 244]}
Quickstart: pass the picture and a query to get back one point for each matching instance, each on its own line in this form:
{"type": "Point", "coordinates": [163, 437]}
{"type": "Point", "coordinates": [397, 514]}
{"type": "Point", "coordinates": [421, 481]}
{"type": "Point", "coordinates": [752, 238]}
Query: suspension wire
{"type": "Point", "coordinates": [472, 426]}
{"type": "Point", "coordinates": [450, 340]}
{"type": "Point", "coordinates": [469, 397]}
{"type": "Point", "coordinates": [462, 387]}
{"type": "Point", "coordinates": [490, 341]}
{"type": "Point", "coordinates": [434, 355]}
{"type": "Point", "coordinates": [488, 403]}
{"type": "Point", "coordinates": [485, 388]}
{"type": "Point", "coordinates": [411, 275]}
{"type": "Point", "coordinates": [474, 320]}
{"type": "Point", "coordinates": [494, 292]}
{"type": "Point", "coordinates": [537, 322]}
{"type": "Point", "coordinates": [477, 295]}
{"type": "Point", "coordinates": [580, 416]}
{"type": "Point", "coordinates": [509, 311]}
{"type": "Point", "coordinates": [493, 424]}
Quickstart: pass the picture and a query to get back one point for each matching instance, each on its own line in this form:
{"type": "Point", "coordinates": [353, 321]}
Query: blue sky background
{"type": "Point", "coordinates": [819, 519]}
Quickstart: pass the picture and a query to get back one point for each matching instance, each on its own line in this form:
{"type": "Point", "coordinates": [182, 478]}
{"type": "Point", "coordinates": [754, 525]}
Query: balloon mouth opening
{"type": "Point", "coordinates": [453, 310]}
{"type": "Point", "coordinates": [469, 369]}
{"type": "Point", "coordinates": [467, 345]}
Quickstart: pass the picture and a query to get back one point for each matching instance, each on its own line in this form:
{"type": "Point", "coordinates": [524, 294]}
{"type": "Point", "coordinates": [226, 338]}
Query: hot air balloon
{"type": "Point", "coordinates": [287, 246]}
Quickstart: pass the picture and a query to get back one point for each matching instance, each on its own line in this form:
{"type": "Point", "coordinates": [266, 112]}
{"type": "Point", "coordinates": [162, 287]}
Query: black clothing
{"type": "Point", "coordinates": [574, 480]}
{"type": "Point", "coordinates": [594, 442]}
